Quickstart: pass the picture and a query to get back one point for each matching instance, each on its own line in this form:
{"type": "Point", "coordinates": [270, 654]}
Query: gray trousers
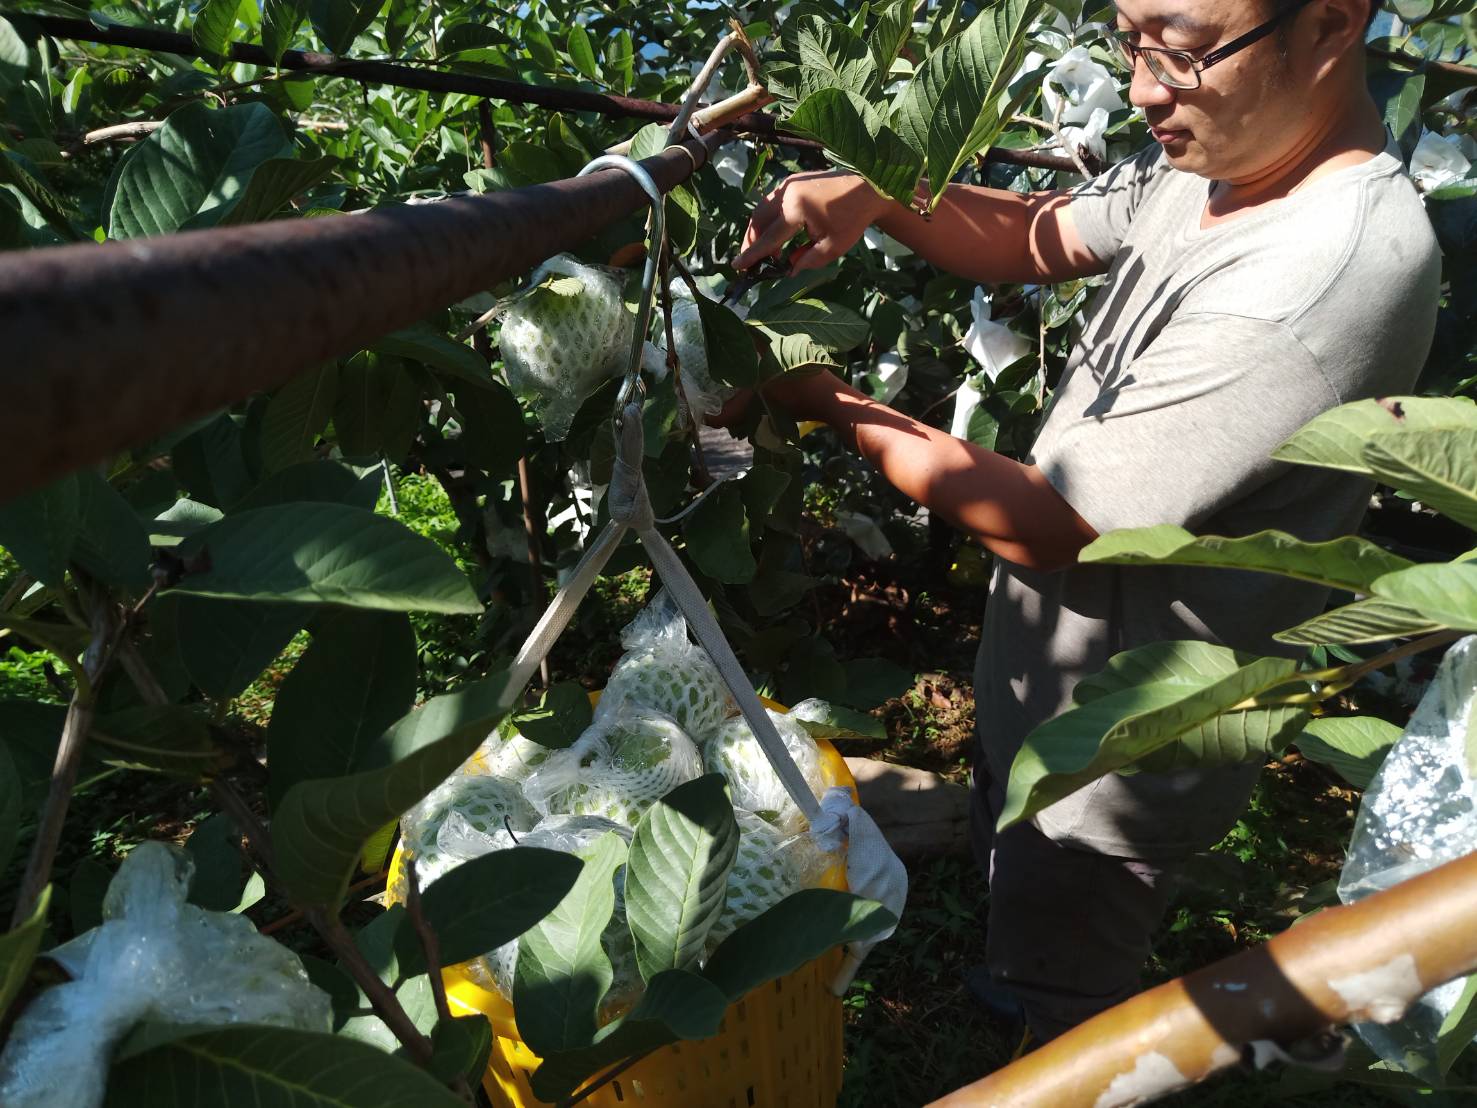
{"type": "Point", "coordinates": [1068, 929]}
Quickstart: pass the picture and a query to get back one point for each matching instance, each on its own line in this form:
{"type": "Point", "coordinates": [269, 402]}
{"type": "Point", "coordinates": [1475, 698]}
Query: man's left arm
{"type": "Point", "coordinates": [1009, 507]}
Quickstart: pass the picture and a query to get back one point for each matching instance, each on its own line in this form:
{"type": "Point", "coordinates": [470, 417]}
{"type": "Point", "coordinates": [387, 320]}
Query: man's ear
{"type": "Point", "coordinates": [1331, 30]}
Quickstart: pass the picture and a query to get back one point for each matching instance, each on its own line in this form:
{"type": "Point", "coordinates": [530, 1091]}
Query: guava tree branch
{"type": "Point", "coordinates": [404, 76]}
{"type": "Point", "coordinates": [1367, 961]}
{"type": "Point", "coordinates": [105, 624]}
{"type": "Point", "coordinates": [329, 927]}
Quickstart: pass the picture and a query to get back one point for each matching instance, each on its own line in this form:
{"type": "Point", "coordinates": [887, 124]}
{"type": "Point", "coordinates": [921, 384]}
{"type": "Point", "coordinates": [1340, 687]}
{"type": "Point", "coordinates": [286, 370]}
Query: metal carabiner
{"type": "Point", "coordinates": [632, 385]}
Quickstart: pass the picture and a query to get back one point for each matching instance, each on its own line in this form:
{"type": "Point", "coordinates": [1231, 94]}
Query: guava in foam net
{"type": "Point", "coordinates": [484, 805]}
{"type": "Point", "coordinates": [573, 835]}
{"type": "Point", "coordinates": [770, 865]}
{"type": "Point", "coordinates": [625, 762]}
{"type": "Point", "coordinates": [753, 785]}
{"type": "Point", "coordinates": [665, 671]}
{"type": "Point", "coordinates": [563, 338]}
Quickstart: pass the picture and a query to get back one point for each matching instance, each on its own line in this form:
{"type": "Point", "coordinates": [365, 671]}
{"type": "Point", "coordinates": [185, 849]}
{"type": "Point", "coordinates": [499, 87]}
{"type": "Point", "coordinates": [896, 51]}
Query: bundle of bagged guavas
{"type": "Point", "coordinates": [665, 717]}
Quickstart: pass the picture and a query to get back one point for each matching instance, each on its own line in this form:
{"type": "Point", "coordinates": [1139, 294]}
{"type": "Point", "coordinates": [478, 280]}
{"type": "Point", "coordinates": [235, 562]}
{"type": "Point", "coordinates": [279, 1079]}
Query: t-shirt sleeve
{"type": "Point", "coordinates": [1101, 209]}
{"type": "Point", "coordinates": [1188, 426]}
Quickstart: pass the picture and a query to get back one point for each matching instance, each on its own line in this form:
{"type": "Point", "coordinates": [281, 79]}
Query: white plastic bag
{"type": "Point", "coordinates": [1419, 812]}
{"type": "Point", "coordinates": [562, 338]}
{"type": "Point", "coordinates": [572, 834]}
{"type": "Point", "coordinates": [620, 766]}
{"type": "Point", "coordinates": [667, 672]}
{"type": "Point", "coordinates": [154, 957]}
{"type": "Point", "coordinates": [753, 783]}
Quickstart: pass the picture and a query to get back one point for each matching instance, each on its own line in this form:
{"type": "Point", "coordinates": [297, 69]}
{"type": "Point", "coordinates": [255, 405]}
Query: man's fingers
{"type": "Point", "coordinates": [766, 243]}
{"type": "Point", "coordinates": [813, 255]}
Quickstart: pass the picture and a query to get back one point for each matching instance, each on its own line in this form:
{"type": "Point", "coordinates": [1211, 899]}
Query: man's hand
{"type": "Point", "coordinates": [803, 396]}
{"type": "Point", "coordinates": [833, 208]}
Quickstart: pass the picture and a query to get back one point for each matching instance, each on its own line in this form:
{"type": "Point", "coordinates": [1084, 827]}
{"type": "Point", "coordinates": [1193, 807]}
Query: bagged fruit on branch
{"type": "Point", "coordinates": [154, 957]}
{"type": "Point", "coordinates": [563, 338]}
{"type": "Point", "coordinates": [665, 671]}
{"type": "Point", "coordinates": [705, 396]}
{"type": "Point", "coordinates": [1420, 811]}
{"type": "Point", "coordinates": [622, 764]}
{"type": "Point", "coordinates": [753, 784]}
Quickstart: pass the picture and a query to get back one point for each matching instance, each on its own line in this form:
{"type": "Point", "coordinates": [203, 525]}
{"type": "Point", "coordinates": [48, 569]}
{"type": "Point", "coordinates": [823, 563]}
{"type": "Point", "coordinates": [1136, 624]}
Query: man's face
{"type": "Point", "coordinates": [1250, 109]}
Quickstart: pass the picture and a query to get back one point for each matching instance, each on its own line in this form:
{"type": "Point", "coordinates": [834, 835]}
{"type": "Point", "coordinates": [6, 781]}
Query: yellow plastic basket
{"type": "Point", "coordinates": [778, 1047]}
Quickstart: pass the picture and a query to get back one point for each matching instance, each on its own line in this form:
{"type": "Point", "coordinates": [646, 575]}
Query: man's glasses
{"type": "Point", "coordinates": [1181, 70]}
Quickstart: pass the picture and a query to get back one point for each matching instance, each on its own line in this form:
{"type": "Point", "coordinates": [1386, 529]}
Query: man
{"type": "Point", "coordinates": [1267, 260]}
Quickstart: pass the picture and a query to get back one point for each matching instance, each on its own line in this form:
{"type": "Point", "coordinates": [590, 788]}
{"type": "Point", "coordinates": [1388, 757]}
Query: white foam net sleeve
{"type": "Point", "coordinates": [620, 766]}
{"type": "Point", "coordinates": [1419, 812]}
{"type": "Point", "coordinates": [573, 834]}
{"type": "Point", "coordinates": [563, 338]}
{"type": "Point", "coordinates": [662, 669]}
{"type": "Point", "coordinates": [753, 785]}
{"type": "Point", "coordinates": [476, 802]}
{"type": "Point", "coordinates": [705, 396]}
{"type": "Point", "coordinates": [154, 957]}
{"type": "Point", "coordinates": [769, 866]}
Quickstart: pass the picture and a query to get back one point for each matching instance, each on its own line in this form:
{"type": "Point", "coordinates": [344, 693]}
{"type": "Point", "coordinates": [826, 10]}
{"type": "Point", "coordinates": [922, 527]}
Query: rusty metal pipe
{"type": "Point", "coordinates": [108, 346]}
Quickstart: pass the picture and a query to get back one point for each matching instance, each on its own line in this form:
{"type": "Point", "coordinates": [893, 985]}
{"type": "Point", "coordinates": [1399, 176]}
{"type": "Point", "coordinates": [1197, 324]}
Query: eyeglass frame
{"type": "Point", "coordinates": [1130, 51]}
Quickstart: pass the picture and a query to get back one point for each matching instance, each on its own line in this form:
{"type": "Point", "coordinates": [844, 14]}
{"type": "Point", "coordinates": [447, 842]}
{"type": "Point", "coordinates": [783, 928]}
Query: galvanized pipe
{"type": "Point", "coordinates": [110, 345]}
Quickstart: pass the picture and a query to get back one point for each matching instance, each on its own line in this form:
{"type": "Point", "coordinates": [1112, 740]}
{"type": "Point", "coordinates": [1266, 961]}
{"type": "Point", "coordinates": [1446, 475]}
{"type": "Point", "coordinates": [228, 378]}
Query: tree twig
{"type": "Point", "coordinates": [105, 632]}
{"type": "Point", "coordinates": [429, 943]}
{"type": "Point", "coordinates": [329, 927]}
{"type": "Point", "coordinates": [684, 410]}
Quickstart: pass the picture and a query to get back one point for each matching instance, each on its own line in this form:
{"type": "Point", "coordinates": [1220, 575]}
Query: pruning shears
{"type": "Point", "coordinates": [769, 269]}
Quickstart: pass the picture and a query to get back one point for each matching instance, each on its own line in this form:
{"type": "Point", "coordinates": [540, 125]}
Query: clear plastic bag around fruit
{"type": "Point", "coordinates": [665, 671]}
{"type": "Point", "coordinates": [705, 396]}
{"type": "Point", "coordinates": [622, 764]}
{"type": "Point", "coordinates": [563, 338]}
{"type": "Point", "coordinates": [154, 957]}
{"type": "Point", "coordinates": [769, 866]}
{"type": "Point", "coordinates": [481, 802]}
{"type": "Point", "coordinates": [1419, 812]}
{"type": "Point", "coordinates": [573, 834]}
{"type": "Point", "coordinates": [753, 784]}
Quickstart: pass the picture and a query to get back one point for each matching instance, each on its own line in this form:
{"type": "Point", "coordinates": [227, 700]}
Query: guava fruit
{"type": "Point", "coordinates": [753, 785]}
{"type": "Point", "coordinates": [623, 764]}
{"type": "Point", "coordinates": [564, 337]}
{"type": "Point", "coordinates": [574, 834]}
{"type": "Point", "coordinates": [769, 866]}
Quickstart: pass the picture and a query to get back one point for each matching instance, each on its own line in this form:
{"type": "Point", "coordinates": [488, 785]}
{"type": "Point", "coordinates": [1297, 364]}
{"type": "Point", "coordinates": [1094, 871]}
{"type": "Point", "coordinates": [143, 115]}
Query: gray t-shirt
{"type": "Point", "coordinates": [1203, 352]}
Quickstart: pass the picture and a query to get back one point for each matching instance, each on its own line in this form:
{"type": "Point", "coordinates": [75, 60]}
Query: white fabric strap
{"type": "Point", "coordinates": [561, 609]}
{"type": "Point", "coordinates": [684, 591]}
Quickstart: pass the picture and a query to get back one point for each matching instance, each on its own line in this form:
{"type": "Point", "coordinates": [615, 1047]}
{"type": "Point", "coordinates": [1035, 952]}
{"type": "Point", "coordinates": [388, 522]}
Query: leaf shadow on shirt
{"type": "Point", "coordinates": [1110, 361]}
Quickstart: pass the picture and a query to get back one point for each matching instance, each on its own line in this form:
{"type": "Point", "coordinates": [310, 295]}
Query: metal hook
{"type": "Point", "coordinates": [632, 385]}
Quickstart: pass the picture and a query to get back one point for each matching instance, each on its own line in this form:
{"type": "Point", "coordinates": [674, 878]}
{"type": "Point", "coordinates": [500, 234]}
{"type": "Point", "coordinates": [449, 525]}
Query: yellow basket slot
{"type": "Point", "coordinates": [779, 1047]}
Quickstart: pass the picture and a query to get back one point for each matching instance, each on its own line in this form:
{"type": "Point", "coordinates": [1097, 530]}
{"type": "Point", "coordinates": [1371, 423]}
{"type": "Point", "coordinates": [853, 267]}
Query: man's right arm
{"type": "Point", "coordinates": [993, 235]}
{"type": "Point", "coordinates": [983, 234]}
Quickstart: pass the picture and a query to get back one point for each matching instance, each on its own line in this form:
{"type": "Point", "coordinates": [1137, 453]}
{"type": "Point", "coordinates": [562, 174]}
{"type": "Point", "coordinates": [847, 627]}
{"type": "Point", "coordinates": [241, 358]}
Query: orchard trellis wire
{"type": "Point", "coordinates": [135, 321]}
